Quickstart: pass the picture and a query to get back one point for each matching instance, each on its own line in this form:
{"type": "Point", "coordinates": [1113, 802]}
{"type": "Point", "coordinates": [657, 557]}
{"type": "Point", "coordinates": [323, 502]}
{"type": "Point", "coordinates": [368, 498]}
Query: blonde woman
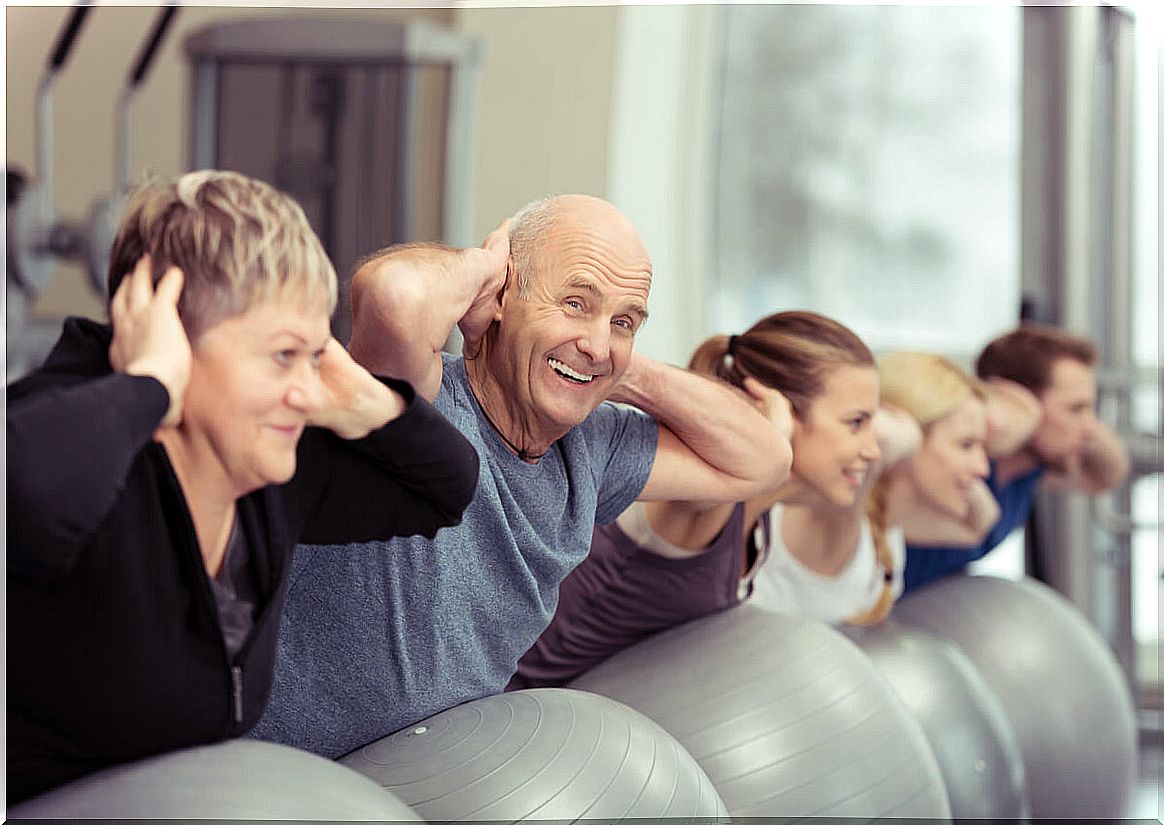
{"type": "Point", "coordinates": [1044, 435]}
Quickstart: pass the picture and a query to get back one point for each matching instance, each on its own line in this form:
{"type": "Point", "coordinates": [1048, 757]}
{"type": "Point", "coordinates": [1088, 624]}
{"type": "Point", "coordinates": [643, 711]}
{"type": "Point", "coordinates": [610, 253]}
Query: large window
{"type": "Point", "coordinates": [868, 169]}
{"type": "Point", "coordinates": [869, 165]}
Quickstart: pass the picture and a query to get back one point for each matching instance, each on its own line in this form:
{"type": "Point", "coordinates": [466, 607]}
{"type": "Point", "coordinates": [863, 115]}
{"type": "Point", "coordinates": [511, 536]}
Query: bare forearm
{"type": "Point", "coordinates": [1013, 414]}
{"type": "Point", "coordinates": [404, 305]}
{"type": "Point", "coordinates": [371, 407]}
{"type": "Point", "coordinates": [927, 526]}
{"type": "Point", "coordinates": [984, 511]}
{"type": "Point", "coordinates": [1106, 463]}
{"type": "Point", "coordinates": [742, 451]}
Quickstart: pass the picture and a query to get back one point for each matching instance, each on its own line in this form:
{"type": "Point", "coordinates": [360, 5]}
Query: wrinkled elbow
{"type": "Point", "coordinates": [385, 294]}
{"type": "Point", "coordinates": [386, 301]}
{"type": "Point", "coordinates": [772, 470]}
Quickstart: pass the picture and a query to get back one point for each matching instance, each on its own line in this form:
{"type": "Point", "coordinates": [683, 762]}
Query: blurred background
{"type": "Point", "coordinates": [925, 174]}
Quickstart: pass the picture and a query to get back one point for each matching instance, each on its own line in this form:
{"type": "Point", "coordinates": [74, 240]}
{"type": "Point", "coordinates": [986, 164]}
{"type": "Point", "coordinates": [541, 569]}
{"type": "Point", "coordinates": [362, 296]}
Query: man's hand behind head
{"type": "Point", "coordinates": [495, 266]}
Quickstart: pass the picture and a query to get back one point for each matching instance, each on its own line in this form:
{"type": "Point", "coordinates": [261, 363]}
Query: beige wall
{"type": "Point", "coordinates": [543, 117]}
{"type": "Point", "coordinates": [544, 105]}
{"type": "Point", "coordinates": [85, 97]}
{"type": "Point", "coordinates": [543, 111]}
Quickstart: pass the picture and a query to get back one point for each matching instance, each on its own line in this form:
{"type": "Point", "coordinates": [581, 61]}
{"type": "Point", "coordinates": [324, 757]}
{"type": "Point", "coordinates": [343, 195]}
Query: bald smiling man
{"type": "Point", "coordinates": [378, 636]}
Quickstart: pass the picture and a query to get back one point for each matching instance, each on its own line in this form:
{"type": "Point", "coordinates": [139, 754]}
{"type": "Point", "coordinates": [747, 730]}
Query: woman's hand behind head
{"type": "Point", "coordinates": [148, 336]}
{"type": "Point", "coordinates": [354, 403]}
{"type": "Point", "coordinates": [772, 403]}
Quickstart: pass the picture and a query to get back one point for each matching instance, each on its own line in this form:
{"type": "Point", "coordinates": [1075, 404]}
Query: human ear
{"type": "Point", "coordinates": [509, 286]}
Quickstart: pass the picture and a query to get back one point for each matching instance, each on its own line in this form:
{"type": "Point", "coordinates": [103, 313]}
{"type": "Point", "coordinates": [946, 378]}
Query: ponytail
{"type": "Point", "coordinates": [877, 511]}
{"type": "Point", "coordinates": [717, 357]}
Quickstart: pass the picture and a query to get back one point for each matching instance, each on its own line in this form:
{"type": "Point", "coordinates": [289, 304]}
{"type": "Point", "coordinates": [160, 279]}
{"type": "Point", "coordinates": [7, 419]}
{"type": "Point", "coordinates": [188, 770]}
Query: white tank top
{"type": "Point", "coordinates": [785, 585]}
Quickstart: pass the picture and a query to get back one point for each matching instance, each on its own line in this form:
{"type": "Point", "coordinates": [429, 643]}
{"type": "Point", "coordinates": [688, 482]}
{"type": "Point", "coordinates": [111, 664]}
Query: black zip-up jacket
{"type": "Point", "coordinates": [115, 650]}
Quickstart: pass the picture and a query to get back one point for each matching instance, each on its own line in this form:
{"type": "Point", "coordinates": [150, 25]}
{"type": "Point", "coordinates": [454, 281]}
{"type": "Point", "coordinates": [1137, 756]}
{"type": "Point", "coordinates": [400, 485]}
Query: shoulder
{"type": "Point", "coordinates": [611, 452]}
{"type": "Point", "coordinates": [453, 373]}
{"type": "Point", "coordinates": [771, 517]}
{"type": "Point", "coordinates": [1014, 474]}
{"type": "Point", "coordinates": [81, 353]}
{"type": "Point", "coordinates": [1020, 487]}
{"type": "Point", "coordinates": [612, 425]}
{"type": "Point", "coordinates": [454, 394]}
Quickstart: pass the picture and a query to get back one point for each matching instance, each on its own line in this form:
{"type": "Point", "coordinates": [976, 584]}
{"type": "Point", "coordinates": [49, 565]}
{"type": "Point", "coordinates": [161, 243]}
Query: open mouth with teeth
{"type": "Point", "coordinates": [569, 374]}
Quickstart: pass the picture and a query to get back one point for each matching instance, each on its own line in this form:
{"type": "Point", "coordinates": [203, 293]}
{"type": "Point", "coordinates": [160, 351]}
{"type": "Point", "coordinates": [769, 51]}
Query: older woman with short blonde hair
{"type": "Point", "coordinates": [162, 466]}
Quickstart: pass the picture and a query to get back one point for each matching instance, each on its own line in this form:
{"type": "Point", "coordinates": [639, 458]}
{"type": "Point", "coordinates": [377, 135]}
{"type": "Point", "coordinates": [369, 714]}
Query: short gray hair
{"type": "Point", "coordinates": [526, 233]}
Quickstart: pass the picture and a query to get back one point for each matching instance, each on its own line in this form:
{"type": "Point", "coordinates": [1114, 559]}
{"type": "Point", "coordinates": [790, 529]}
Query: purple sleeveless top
{"type": "Point", "coordinates": [622, 593]}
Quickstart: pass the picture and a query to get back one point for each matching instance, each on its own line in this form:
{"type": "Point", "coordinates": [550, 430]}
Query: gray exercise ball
{"type": "Point", "coordinates": [549, 753]}
{"type": "Point", "coordinates": [967, 729]}
{"type": "Point", "coordinates": [235, 780]}
{"type": "Point", "coordinates": [786, 716]}
{"type": "Point", "coordinates": [1062, 689]}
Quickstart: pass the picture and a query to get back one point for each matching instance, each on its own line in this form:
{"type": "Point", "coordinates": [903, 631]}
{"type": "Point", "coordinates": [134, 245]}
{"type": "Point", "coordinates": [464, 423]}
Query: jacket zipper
{"type": "Point", "coordinates": [236, 681]}
{"type": "Point", "coordinates": [236, 672]}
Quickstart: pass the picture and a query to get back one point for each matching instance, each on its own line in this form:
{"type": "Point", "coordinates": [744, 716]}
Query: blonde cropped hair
{"type": "Point", "coordinates": [238, 241]}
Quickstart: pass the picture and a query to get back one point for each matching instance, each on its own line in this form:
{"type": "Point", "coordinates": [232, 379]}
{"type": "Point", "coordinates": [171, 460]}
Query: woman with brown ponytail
{"type": "Point", "coordinates": [935, 490]}
{"type": "Point", "coordinates": [664, 563]}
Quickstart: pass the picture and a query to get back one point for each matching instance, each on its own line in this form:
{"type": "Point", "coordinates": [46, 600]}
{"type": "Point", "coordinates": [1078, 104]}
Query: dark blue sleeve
{"type": "Point", "coordinates": [925, 564]}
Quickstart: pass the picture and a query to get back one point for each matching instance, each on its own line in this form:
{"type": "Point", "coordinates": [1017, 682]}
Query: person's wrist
{"type": "Point", "coordinates": [150, 368]}
{"type": "Point", "coordinates": [374, 406]}
{"type": "Point", "coordinates": [484, 268]}
{"type": "Point", "coordinates": [631, 387]}
{"type": "Point", "coordinates": [174, 385]}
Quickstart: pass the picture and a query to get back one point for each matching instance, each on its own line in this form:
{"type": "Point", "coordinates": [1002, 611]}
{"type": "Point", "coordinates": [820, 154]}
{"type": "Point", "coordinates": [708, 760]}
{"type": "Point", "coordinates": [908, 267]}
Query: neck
{"type": "Point", "coordinates": [823, 539]}
{"type": "Point", "coordinates": [517, 435]}
{"type": "Point", "coordinates": [795, 492]}
{"type": "Point", "coordinates": [1014, 465]}
{"type": "Point", "coordinates": [208, 496]}
{"type": "Point", "coordinates": [901, 501]}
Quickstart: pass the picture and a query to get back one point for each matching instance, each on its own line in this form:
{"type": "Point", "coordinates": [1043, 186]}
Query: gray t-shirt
{"type": "Point", "coordinates": [378, 636]}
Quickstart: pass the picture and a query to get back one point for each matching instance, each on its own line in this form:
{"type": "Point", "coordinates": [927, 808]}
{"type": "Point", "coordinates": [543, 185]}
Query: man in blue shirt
{"type": "Point", "coordinates": [1044, 434]}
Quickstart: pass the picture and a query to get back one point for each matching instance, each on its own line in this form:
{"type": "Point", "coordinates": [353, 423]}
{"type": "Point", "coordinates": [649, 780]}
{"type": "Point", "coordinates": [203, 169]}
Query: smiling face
{"type": "Point", "coordinates": [562, 347]}
{"type": "Point", "coordinates": [834, 445]}
{"type": "Point", "coordinates": [1068, 422]}
{"type": "Point", "coordinates": [951, 458]}
{"type": "Point", "coordinates": [254, 380]}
